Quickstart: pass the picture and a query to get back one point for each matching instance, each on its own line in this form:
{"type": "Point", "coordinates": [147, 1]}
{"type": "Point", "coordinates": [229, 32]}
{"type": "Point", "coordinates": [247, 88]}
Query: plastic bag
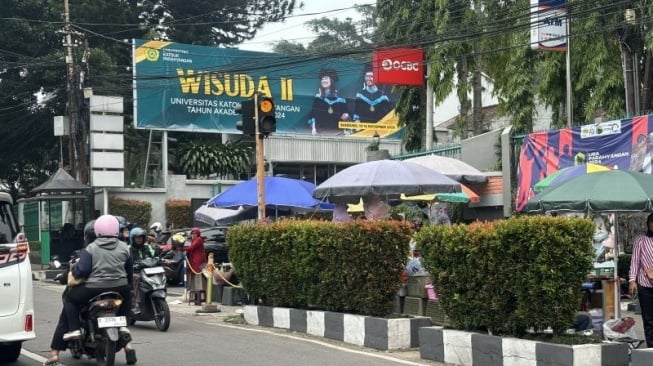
{"type": "Point", "coordinates": [619, 328]}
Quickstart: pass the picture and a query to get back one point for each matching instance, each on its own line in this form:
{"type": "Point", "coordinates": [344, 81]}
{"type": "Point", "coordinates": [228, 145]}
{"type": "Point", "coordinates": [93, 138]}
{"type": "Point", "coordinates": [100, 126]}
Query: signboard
{"type": "Point", "coordinates": [549, 25]}
{"type": "Point", "coordinates": [399, 66]}
{"type": "Point", "coordinates": [620, 144]}
{"type": "Point", "coordinates": [197, 88]}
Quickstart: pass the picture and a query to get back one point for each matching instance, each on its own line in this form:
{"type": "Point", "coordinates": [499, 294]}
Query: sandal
{"type": "Point", "coordinates": [130, 355]}
{"type": "Point", "coordinates": [51, 362]}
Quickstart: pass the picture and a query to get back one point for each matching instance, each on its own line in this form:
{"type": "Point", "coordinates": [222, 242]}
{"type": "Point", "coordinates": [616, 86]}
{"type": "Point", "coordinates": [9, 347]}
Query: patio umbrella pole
{"type": "Point", "coordinates": [617, 280]}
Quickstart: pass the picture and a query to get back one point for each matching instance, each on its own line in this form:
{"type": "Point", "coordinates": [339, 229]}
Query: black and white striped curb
{"type": "Point", "coordinates": [378, 333]}
{"type": "Point", "coordinates": [464, 348]}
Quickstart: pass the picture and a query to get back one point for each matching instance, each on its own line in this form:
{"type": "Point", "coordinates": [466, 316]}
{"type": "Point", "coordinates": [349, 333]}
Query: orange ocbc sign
{"type": "Point", "coordinates": [399, 66]}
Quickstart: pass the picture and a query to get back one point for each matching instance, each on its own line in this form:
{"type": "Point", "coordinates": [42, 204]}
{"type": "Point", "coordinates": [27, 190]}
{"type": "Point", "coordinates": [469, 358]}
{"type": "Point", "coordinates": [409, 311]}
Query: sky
{"type": "Point", "coordinates": [293, 29]}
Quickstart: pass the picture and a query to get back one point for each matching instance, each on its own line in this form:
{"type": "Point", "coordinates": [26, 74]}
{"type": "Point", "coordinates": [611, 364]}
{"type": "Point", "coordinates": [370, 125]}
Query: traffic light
{"type": "Point", "coordinates": [267, 122]}
{"type": "Point", "coordinates": [247, 123]}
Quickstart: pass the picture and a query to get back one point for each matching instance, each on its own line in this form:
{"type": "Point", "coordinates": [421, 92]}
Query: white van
{"type": "Point", "coordinates": [17, 305]}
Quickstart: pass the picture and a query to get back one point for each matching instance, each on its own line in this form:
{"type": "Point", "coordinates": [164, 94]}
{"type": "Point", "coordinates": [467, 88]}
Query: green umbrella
{"type": "Point", "coordinates": [567, 173]}
{"type": "Point", "coordinates": [606, 191]}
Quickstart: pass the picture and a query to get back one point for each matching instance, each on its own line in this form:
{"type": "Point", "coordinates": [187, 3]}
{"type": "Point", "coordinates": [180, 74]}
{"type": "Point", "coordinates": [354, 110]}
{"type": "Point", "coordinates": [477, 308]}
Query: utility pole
{"type": "Point", "coordinates": [70, 107]}
{"type": "Point", "coordinates": [629, 62]}
{"type": "Point", "coordinates": [260, 161]}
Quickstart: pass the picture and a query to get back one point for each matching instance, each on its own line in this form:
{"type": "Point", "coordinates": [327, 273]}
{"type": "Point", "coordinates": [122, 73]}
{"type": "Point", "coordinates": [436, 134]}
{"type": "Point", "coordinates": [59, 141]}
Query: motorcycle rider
{"type": "Point", "coordinates": [105, 265]}
{"type": "Point", "coordinates": [158, 230]}
{"type": "Point", "coordinates": [139, 250]}
{"type": "Point", "coordinates": [138, 246]}
{"type": "Point", "coordinates": [174, 257]}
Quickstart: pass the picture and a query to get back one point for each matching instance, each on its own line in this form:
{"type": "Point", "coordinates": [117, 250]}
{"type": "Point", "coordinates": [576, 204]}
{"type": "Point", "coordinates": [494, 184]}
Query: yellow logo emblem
{"type": "Point", "coordinates": [152, 54]}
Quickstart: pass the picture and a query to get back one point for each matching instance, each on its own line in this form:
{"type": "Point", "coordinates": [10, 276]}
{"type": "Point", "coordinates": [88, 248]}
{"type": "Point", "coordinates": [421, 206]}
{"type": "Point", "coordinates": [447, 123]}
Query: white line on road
{"type": "Point", "coordinates": [35, 357]}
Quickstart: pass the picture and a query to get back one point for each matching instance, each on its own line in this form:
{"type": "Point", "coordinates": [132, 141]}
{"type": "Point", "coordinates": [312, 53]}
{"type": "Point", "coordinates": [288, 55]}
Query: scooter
{"type": "Point", "coordinates": [64, 267]}
{"type": "Point", "coordinates": [152, 291]}
{"type": "Point", "coordinates": [100, 337]}
{"type": "Point", "coordinates": [174, 269]}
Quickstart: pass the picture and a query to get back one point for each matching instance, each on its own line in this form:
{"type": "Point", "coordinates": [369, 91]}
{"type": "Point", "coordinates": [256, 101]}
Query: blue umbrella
{"type": "Point", "coordinates": [279, 192]}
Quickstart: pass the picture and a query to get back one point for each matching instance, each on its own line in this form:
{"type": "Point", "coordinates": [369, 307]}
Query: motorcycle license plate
{"type": "Point", "coordinates": [112, 321]}
{"type": "Point", "coordinates": [153, 270]}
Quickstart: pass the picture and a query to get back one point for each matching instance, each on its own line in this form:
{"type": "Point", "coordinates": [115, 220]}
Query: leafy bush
{"type": "Point", "coordinates": [510, 275]}
{"type": "Point", "coordinates": [135, 211]}
{"type": "Point", "coordinates": [344, 267]}
{"type": "Point", "coordinates": [178, 212]}
{"type": "Point", "coordinates": [34, 246]}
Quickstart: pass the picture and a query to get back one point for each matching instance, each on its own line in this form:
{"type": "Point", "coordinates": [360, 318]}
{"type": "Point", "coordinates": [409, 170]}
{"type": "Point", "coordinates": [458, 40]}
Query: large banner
{"type": "Point", "coordinates": [197, 88]}
{"type": "Point", "coordinates": [621, 144]}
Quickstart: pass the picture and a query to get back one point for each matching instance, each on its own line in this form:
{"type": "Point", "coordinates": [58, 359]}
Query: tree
{"type": "Point", "coordinates": [335, 37]}
{"type": "Point", "coordinates": [32, 60]}
{"type": "Point", "coordinates": [211, 22]}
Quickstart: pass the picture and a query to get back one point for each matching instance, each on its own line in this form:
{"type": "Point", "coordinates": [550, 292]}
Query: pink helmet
{"type": "Point", "coordinates": [106, 225]}
{"type": "Point", "coordinates": [196, 231]}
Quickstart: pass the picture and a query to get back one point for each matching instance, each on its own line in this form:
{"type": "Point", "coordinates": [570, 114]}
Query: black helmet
{"type": "Point", "coordinates": [89, 232]}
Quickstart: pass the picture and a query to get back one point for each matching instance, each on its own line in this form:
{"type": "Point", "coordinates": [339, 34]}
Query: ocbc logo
{"type": "Point", "coordinates": [389, 64]}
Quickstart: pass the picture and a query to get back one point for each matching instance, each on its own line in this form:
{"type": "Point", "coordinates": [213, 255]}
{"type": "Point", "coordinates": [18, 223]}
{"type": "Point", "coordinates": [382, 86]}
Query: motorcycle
{"type": "Point", "coordinates": [64, 267]}
{"type": "Point", "coordinates": [100, 337]}
{"type": "Point", "coordinates": [174, 268]}
{"type": "Point", "coordinates": [152, 290]}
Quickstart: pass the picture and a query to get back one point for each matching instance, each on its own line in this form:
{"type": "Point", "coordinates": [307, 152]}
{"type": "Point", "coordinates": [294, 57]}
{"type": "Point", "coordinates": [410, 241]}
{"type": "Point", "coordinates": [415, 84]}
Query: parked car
{"type": "Point", "coordinates": [17, 305]}
{"type": "Point", "coordinates": [214, 242]}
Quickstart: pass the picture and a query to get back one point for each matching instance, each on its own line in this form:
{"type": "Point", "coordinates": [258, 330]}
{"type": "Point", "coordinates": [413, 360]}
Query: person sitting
{"type": "Point", "coordinates": [582, 322]}
{"type": "Point", "coordinates": [106, 265]}
{"type": "Point", "coordinates": [174, 258]}
{"type": "Point", "coordinates": [139, 250]}
{"type": "Point", "coordinates": [138, 247]}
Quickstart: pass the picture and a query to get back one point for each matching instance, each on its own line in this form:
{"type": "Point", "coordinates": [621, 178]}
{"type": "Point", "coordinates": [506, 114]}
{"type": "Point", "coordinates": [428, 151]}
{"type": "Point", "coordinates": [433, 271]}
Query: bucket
{"type": "Point", "coordinates": [430, 292]}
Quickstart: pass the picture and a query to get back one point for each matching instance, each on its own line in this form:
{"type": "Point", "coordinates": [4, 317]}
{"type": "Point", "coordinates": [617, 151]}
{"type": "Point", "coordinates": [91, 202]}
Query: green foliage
{"type": "Point", "coordinates": [201, 159]}
{"type": "Point", "coordinates": [179, 213]}
{"type": "Point", "coordinates": [510, 275]}
{"type": "Point", "coordinates": [137, 212]}
{"type": "Point", "coordinates": [219, 23]}
{"type": "Point", "coordinates": [34, 246]}
{"type": "Point", "coordinates": [352, 267]}
{"type": "Point", "coordinates": [337, 37]}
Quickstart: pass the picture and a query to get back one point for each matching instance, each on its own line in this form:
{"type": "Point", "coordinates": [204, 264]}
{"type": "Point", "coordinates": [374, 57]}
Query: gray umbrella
{"type": "Point", "coordinates": [453, 168]}
{"type": "Point", "coordinates": [382, 178]}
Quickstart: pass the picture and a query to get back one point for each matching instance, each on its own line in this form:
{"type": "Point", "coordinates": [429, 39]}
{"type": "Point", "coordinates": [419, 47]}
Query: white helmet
{"type": "Point", "coordinates": [156, 227]}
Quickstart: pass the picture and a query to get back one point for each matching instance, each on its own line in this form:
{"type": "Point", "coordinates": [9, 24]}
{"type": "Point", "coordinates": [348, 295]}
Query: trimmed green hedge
{"type": "Point", "coordinates": [138, 212]}
{"type": "Point", "coordinates": [178, 213]}
{"type": "Point", "coordinates": [510, 275]}
{"type": "Point", "coordinates": [343, 267]}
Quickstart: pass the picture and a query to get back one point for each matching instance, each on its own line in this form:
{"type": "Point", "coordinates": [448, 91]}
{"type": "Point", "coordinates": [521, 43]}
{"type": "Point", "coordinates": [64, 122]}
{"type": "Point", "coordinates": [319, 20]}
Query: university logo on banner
{"type": "Point", "coordinates": [399, 66]}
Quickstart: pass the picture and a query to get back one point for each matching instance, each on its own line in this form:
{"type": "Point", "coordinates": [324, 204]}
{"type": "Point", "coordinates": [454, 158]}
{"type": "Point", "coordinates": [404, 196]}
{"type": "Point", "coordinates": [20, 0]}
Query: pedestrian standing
{"type": "Point", "coordinates": [196, 259]}
{"type": "Point", "coordinates": [639, 282]}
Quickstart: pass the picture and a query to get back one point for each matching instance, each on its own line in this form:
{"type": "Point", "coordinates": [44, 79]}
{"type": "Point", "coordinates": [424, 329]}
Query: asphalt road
{"type": "Point", "coordinates": [194, 339]}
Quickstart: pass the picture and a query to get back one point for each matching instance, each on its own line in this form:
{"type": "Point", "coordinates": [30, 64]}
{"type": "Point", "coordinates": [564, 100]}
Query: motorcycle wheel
{"type": "Point", "coordinates": [161, 314]}
{"type": "Point", "coordinates": [105, 355]}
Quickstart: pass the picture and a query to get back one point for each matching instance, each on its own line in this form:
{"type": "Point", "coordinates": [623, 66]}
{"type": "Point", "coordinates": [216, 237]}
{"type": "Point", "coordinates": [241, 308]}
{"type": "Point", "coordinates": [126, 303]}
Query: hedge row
{"type": "Point", "coordinates": [510, 275]}
{"type": "Point", "coordinates": [136, 212]}
{"type": "Point", "coordinates": [352, 267]}
{"type": "Point", "coordinates": [178, 213]}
